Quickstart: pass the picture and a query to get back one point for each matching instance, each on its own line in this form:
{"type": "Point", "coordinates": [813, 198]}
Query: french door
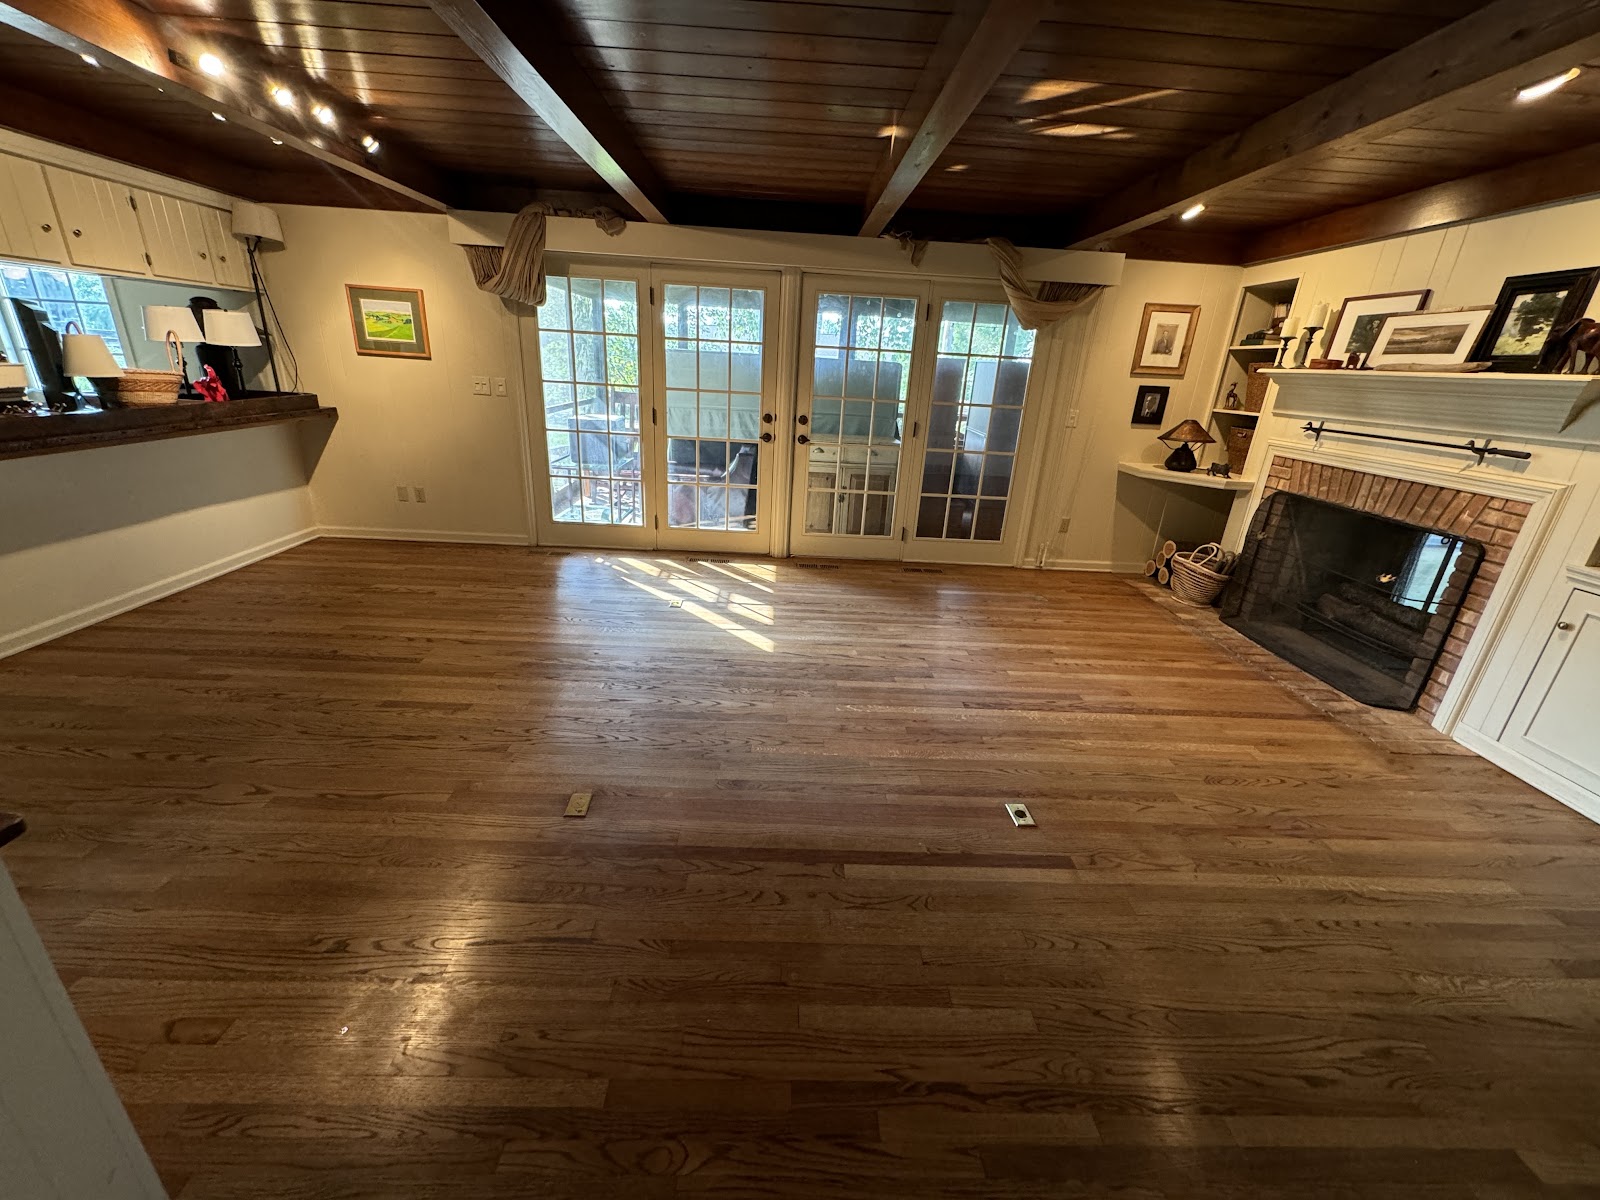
{"type": "Point", "coordinates": [910, 423]}
{"type": "Point", "coordinates": [654, 416]}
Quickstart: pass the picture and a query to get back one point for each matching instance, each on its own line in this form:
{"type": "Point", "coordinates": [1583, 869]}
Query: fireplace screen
{"type": "Point", "coordinates": [1361, 601]}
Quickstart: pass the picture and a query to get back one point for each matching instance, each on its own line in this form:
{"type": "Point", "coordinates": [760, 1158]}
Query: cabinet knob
{"type": "Point", "coordinates": [46, 227]}
{"type": "Point", "coordinates": [1563, 625]}
{"type": "Point", "coordinates": [77, 233]}
{"type": "Point", "coordinates": [202, 254]}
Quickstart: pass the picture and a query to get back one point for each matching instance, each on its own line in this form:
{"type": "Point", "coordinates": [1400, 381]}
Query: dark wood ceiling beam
{"type": "Point", "coordinates": [127, 38]}
{"type": "Point", "coordinates": [1504, 45]}
{"type": "Point", "coordinates": [526, 46]}
{"type": "Point", "coordinates": [1542, 181]}
{"type": "Point", "coordinates": [978, 43]}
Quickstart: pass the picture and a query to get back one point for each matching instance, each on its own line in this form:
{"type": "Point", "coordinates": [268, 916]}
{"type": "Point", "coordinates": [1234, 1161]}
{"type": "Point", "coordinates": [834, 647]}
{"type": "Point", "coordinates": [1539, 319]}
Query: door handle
{"type": "Point", "coordinates": [802, 419]}
{"type": "Point", "coordinates": [1564, 626]}
{"type": "Point", "coordinates": [766, 418]}
{"type": "Point", "coordinates": [803, 440]}
{"type": "Point", "coordinates": [766, 437]}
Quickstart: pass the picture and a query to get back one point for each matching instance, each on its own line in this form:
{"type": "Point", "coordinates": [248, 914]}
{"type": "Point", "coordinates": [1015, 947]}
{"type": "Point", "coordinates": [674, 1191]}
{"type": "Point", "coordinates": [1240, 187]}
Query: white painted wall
{"type": "Point", "coordinates": [63, 1133]}
{"type": "Point", "coordinates": [403, 421]}
{"type": "Point", "coordinates": [92, 533]}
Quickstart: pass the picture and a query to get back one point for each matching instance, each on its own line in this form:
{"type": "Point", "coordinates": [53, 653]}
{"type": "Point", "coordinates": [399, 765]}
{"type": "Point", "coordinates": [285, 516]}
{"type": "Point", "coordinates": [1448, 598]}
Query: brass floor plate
{"type": "Point", "coordinates": [578, 806]}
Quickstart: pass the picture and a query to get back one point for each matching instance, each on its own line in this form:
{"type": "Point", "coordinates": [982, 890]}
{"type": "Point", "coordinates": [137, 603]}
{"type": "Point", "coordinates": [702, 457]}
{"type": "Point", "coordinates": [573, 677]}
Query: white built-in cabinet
{"type": "Point", "coordinates": [29, 227]}
{"type": "Point", "coordinates": [1554, 722]}
{"type": "Point", "coordinates": [53, 214]}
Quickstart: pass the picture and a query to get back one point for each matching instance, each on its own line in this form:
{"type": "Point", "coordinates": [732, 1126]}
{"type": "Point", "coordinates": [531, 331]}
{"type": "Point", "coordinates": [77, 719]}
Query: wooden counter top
{"type": "Point", "coordinates": [23, 437]}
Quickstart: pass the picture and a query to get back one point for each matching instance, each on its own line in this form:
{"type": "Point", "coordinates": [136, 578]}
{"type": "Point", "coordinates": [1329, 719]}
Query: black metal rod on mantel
{"type": "Point", "coordinates": [1471, 447]}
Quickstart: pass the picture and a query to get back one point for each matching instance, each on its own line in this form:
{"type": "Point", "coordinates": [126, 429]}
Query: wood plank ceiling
{"type": "Point", "coordinates": [790, 114]}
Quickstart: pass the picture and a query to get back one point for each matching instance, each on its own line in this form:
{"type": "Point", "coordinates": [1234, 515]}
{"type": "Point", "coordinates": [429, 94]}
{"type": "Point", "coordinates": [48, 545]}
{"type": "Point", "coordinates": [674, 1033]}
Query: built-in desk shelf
{"type": "Point", "coordinates": [1485, 403]}
{"type": "Point", "coordinates": [26, 436]}
{"type": "Point", "coordinates": [1198, 479]}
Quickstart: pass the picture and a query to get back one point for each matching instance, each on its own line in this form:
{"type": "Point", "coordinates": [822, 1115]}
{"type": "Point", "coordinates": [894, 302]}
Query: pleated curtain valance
{"type": "Point", "coordinates": [1044, 307]}
{"type": "Point", "coordinates": [515, 271]}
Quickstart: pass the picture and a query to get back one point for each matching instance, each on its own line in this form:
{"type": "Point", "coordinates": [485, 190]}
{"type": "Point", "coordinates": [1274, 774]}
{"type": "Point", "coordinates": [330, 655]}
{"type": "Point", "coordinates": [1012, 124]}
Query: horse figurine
{"type": "Point", "coordinates": [1581, 337]}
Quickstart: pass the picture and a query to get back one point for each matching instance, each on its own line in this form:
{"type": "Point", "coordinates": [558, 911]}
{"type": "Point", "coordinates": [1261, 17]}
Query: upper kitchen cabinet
{"type": "Point", "coordinates": [100, 222]}
{"type": "Point", "coordinates": [28, 225]}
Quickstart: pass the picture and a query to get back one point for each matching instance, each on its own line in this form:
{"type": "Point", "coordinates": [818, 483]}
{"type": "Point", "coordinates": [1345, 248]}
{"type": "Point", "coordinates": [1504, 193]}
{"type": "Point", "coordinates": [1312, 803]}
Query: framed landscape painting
{"type": "Point", "coordinates": [1165, 335]}
{"type": "Point", "coordinates": [1355, 329]}
{"type": "Point", "coordinates": [1529, 310]}
{"type": "Point", "coordinates": [1428, 339]}
{"type": "Point", "coordinates": [388, 322]}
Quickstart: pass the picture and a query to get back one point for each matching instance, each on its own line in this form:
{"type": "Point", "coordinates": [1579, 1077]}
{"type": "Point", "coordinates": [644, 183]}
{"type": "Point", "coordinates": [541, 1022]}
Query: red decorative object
{"type": "Point", "coordinates": [210, 387]}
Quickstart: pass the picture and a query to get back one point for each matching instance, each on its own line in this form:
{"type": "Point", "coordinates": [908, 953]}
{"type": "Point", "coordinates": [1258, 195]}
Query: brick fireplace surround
{"type": "Point", "coordinates": [1492, 520]}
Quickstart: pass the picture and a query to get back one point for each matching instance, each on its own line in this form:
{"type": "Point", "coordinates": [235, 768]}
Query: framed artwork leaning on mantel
{"type": "Point", "coordinates": [1355, 329]}
{"type": "Point", "coordinates": [1530, 311]}
{"type": "Point", "coordinates": [1442, 338]}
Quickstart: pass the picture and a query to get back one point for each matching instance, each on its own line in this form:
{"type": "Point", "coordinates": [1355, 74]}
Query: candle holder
{"type": "Point", "coordinates": [1283, 348]}
{"type": "Point", "coordinates": [1308, 339]}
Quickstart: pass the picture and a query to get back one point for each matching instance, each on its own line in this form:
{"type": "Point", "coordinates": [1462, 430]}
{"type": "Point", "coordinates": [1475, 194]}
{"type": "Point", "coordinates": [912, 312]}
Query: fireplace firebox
{"type": "Point", "coordinates": [1361, 601]}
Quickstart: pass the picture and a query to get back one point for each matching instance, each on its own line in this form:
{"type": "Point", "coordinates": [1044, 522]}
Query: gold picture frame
{"type": "Point", "coordinates": [388, 322]}
{"type": "Point", "coordinates": [1164, 344]}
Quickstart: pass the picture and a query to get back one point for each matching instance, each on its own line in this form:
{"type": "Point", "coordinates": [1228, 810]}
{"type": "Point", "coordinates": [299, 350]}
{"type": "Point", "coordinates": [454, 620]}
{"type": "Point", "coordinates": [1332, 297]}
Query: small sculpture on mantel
{"type": "Point", "coordinates": [1582, 337]}
{"type": "Point", "coordinates": [1232, 399]}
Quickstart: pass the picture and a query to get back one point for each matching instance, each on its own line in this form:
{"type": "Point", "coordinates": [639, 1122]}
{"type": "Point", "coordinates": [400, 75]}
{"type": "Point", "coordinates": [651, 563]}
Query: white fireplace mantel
{"type": "Point", "coordinates": [1555, 408]}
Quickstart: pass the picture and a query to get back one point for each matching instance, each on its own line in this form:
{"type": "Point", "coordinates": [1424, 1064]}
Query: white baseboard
{"type": "Point", "coordinates": [425, 535]}
{"type": "Point", "coordinates": [1093, 564]}
{"type": "Point", "coordinates": [70, 622]}
{"type": "Point", "coordinates": [1557, 787]}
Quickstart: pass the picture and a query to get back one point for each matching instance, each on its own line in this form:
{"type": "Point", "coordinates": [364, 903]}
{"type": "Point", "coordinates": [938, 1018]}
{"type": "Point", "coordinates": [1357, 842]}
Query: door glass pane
{"type": "Point", "coordinates": [860, 371]}
{"type": "Point", "coordinates": [979, 380]}
{"type": "Point", "coordinates": [714, 338]}
{"type": "Point", "coordinates": [589, 362]}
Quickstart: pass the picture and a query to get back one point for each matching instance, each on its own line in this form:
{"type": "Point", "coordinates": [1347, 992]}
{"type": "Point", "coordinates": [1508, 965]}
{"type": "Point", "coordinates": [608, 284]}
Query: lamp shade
{"type": "Point", "coordinates": [224, 327]}
{"type": "Point", "coordinates": [1187, 431]}
{"type": "Point", "coordinates": [162, 319]}
{"type": "Point", "coordinates": [252, 220]}
{"type": "Point", "coordinates": [84, 355]}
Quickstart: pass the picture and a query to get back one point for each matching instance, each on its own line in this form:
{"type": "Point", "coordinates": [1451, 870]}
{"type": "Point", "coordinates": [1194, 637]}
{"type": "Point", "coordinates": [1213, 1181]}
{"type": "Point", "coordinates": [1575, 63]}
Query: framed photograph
{"type": "Point", "coordinates": [1150, 403]}
{"type": "Point", "coordinates": [1165, 335]}
{"type": "Point", "coordinates": [1529, 310]}
{"type": "Point", "coordinates": [388, 322]}
{"type": "Point", "coordinates": [1356, 327]}
{"type": "Point", "coordinates": [1428, 339]}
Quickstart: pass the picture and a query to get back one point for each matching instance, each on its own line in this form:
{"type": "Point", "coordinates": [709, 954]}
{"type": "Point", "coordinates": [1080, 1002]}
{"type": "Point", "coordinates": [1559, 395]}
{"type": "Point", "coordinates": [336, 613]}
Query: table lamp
{"type": "Point", "coordinates": [85, 355]}
{"type": "Point", "coordinates": [1185, 432]}
{"type": "Point", "coordinates": [231, 328]}
{"type": "Point", "coordinates": [162, 319]}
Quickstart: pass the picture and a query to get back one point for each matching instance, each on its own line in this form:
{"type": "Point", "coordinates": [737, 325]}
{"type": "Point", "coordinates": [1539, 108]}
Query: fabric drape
{"type": "Point", "coordinates": [515, 271]}
{"type": "Point", "coordinates": [1036, 309]}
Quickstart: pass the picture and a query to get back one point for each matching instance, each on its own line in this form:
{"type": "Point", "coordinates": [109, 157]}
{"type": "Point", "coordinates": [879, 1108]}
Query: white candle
{"type": "Point", "coordinates": [1319, 317]}
{"type": "Point", "coordinates": [1291, 327]}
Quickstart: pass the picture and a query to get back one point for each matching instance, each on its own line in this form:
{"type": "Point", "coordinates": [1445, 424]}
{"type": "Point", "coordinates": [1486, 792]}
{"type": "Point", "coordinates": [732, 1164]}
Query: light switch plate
{"type": "Point", "coordinates": [480, 385]}
{"type": "Point", "coordinates": [1020, 816]}
{"type": "Point", "coordinates": [578, 806]}
{"type": "Point", "coordinates": [499, 385]}
{"type": "Point", "coordinates": [402, 493]}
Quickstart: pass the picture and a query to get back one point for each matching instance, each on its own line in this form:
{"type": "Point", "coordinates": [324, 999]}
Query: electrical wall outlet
{"type": "Point", "coordinates": [420, 495]}
{"type": "Point", "coordinates": [402, 493]}
{"type": "Point", "coordinates": [1066, 523]}
{"type": "Point", "coordinates": [480, 385]}
{"type": "Point", "coordinates": [1020, 816]}
{"type": "Point", "coordinates": [499, 385]}
{"type": "Point", "coordinates": [578, 805]}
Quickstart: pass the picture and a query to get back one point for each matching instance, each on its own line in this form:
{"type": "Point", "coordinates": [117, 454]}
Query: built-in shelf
{"type": "Point", "coordinates": [1199, 479]}
{"type": "Point", "coordinates": [1257, 349]}
{"type": "Point", "coordinates": [26, 436]}
{"type": "Point", "coordinates": [1486, 403]}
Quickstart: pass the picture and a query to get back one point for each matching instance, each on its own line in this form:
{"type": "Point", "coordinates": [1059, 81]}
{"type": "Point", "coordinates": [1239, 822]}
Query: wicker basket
{"type": "Point", "coordinates": [1198, 576]}
{"type": "Point", "coordinates": [148, 389]}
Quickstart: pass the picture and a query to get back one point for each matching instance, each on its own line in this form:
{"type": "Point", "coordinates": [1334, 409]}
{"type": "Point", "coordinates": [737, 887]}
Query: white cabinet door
{"type": "Point", "coordinates": [1555, 721]}
{"type": "Point", "coordinates": [102, 229]}
{"type": "Point", "coordinates": [174, 237]}
{"type": "Point", "coordinates": [28, 224]}
{"type": "Point", "coordinates": [227, 252]}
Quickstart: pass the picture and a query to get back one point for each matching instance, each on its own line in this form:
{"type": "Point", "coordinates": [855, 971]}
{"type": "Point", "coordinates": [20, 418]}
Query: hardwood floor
{"type": "Point", "coordinates": [296, 846]}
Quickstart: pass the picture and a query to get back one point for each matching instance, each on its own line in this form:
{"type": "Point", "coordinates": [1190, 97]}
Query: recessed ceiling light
{"type": "Point", "coordinates": [323, 114]}
{"type": "Point", "coordinates": [90, 59]}
{"type": "Point", "coordinates": [211, 65]}
{"type": "Point", "coordinates": [1537, 91]}
{"type": "Point", "coordinates": [1190, 213]}
{"type": "Point", "coordinates": [282, 96]}
{"type": "Point", "coordinates": [218, 116]}
{"type": "Point", "coordinates": [370, 143]}
{"type": "Point", "coordinates": [956, 167]}
{"type": "Point", "coordinates": [277, 141]}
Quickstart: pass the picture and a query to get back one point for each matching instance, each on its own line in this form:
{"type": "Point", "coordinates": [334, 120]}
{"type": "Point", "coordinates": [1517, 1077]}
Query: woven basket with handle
{"type": "Point", "coordinates": [1198, 576]}
{"type": "Point", "coordinates": [150, 389]}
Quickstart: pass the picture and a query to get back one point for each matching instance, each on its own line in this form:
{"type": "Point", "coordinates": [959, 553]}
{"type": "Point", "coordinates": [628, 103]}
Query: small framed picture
{"type": "Point", "coordinates": [1420, 340]}
{"type": "Point", "coordinates": [1531, 314]}
{"type": "Point", "coordinates": [388, 322]}
{"type": "Point", "coordinates": [1150, 404]}
{"type": "Point", "coordinates": [1165, 335]}
{"type": "Point", "coordinates": [1356, 327]}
